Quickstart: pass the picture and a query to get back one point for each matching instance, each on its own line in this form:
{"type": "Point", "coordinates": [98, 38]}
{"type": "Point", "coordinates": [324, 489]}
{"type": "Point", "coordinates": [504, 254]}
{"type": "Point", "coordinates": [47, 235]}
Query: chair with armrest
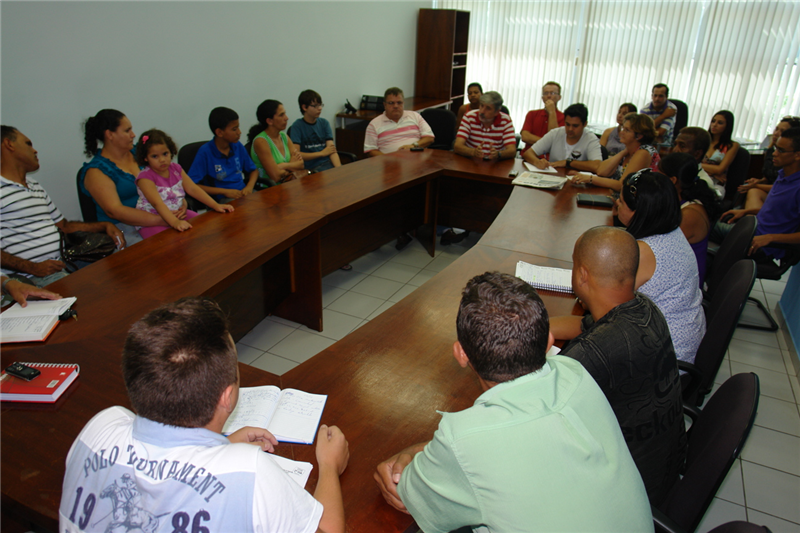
{"type": "Point", "coordinates": [443, 123]}
{"type": "Point", "coordinates": [88, 208]}
{"type": "Point", "coordinates": [732, 249]}
{"type": "Point", "coordinates": [715, 440]}
{"type": "Point", "coordinates": [737, 173]}
{"type": "Point", "coordinates": [186, 156]}
{"type": "Point", "coordinates": [722, 315]}
{"type": "Point", "coordinates": [773, 271]}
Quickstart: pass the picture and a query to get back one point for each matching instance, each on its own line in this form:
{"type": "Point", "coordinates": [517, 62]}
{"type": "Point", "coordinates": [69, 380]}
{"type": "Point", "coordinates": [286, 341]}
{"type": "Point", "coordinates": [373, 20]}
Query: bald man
{"type": "Point", "coordinates": [624, 343]}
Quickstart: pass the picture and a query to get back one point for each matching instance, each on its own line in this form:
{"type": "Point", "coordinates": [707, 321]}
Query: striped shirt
{"type": "Point", "coordinates": [499, 135]}
{"type": "Point", "coordinates": [28, 220]}
{"type": "Point", "coordinates": [388, 136]}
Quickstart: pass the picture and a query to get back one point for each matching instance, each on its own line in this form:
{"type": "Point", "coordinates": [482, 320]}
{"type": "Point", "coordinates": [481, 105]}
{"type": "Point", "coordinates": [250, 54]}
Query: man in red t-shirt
{"type": "Point", "coordinates": [540, 121]}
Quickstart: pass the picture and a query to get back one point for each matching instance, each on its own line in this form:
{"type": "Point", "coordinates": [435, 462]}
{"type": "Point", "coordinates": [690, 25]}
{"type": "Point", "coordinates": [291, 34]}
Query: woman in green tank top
{"type": "Point", "coordinates": [273, 152]}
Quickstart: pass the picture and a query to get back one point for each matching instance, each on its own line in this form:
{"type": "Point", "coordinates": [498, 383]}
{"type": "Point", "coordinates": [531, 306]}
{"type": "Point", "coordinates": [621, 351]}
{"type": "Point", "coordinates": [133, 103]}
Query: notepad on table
{"type": "Point", "coordinates": [47, 387]}
{"type": "Point", "coordinates": [548, 278]}
{"type": "Point", "coordinates": [291, 415]}
{"type": "Point", "coordinates": [34, 322]}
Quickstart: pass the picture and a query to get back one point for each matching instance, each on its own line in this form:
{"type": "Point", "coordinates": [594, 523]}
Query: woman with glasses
{"type": "Point", "coordinates": [698, 204]}
{"type": "Point", "coordinates": [758, 188]}
{"type": "Point", "coordinates": [610, 137]}
{"type": "Point", "coordinates": [722, 151]}
{"type": "Point", "coordinates": [272, 151]}
{"type": "Point", "coordinates": [637, 134]}
{"type": "Point", "coordinates": [649, 207]}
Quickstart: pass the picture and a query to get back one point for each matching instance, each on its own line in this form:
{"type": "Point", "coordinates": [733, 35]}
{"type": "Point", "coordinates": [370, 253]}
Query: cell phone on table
{"type": "Point", "coordinates": [417, 149]}
{"type": "Point", "coordinates": [22, 371]}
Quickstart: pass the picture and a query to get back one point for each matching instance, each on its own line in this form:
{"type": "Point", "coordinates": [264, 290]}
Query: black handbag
{"type": "Point", "coordinates": [84, 246]}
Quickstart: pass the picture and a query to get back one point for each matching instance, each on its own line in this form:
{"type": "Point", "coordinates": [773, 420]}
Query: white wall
{"type": "Point", "coordinates": [167, 64]}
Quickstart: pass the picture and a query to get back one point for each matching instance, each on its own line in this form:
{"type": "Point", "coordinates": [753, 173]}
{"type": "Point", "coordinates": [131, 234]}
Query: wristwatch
{"type": "Point", "coordinates": [569, 162]}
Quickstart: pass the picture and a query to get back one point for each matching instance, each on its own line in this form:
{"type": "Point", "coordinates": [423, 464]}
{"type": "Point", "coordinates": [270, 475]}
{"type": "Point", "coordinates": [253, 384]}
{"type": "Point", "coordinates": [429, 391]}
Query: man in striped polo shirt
{"type": "Point", "coordinates": [487, 132]}
{"type": "Point", "coordinates": [396, 129]}
{"type": "Point", "coordinates": [29, 221]}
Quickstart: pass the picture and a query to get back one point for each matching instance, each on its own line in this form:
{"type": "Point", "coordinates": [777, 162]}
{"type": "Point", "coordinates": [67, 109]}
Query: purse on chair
{"type": "Point", "coordinates": [85, 247]}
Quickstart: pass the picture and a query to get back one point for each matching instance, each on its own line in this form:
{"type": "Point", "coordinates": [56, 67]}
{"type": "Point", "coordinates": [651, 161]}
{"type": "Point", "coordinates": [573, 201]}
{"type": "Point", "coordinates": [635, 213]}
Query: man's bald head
{"type": "Point", "coordinates": [610, 255]}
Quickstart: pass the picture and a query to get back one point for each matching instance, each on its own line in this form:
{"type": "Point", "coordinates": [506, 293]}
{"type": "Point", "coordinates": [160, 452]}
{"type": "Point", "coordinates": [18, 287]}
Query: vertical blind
{"type": "Point", "coordinates": [714, 54]}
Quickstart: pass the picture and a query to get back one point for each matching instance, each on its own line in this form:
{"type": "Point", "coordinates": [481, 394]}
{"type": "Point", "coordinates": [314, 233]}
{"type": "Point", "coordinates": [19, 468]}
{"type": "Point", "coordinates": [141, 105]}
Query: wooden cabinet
{"type": "Point", "coordinates": [442, 39]}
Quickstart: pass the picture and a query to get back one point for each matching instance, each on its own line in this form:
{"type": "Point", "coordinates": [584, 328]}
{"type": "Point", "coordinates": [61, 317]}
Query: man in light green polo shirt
{"type": "Point", "coordinates": [540, 450]}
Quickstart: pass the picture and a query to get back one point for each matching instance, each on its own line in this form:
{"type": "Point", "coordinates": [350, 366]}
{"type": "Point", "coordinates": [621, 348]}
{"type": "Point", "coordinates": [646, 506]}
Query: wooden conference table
{"type": "Point", "coordinates": [384, 381]}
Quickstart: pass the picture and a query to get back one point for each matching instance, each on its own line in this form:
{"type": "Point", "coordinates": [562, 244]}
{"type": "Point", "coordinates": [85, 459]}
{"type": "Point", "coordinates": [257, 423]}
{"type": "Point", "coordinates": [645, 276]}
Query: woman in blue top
{"type": "Point", "coordinates": [110, 177]}
{"type": "Point", "coordinates": [273, 152]}
{"type": "Point", "coordinates": [649, 207]}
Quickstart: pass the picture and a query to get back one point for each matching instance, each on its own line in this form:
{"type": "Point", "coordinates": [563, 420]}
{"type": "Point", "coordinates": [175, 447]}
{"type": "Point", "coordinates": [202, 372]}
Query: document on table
{"type": "Point", "coordinates": [548, 170]}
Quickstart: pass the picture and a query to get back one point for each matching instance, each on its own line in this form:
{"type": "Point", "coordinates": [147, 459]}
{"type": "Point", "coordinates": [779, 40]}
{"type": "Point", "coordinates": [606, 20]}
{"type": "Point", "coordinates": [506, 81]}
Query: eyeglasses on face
{"type": "Point", "coordinates": [783, 151]}
{"type": "Point", "coordinates": [550, 93]}
{"type": "Point", "coordinates": [317, 106]}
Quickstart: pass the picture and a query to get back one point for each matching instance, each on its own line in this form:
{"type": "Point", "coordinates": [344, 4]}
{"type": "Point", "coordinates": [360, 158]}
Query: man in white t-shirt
{"type": "Point", "coordinates": [570, 146]}
{"type": "Point", "coordinates": [396, 129]}
{"type": "Point", "coordinates": [29, 221]}
{"type": "Point", "coordinates": [168, 466]}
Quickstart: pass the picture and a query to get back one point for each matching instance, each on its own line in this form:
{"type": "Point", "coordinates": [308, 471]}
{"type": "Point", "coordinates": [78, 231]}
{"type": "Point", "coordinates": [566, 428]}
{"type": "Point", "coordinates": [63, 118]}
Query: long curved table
{"type": "Point", "coordinates": [384, 381]}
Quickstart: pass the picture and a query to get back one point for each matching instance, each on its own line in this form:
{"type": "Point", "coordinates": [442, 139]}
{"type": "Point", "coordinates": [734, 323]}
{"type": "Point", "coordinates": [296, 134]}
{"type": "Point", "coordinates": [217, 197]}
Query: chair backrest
{"type": "Point", "coordinates": [187, 154]}
{"type": "Point", "coordinates": [88, 207]}
{"type": "Point", "coordinates": [715, 441]}
{"type": "Point", "coordinates": [604, 152]}
{"type": "Point", "coordinates": [681, 116]}
{"type": "Point", "coordinates": [740, 527]}
{"type": "Point", "coordinates": [737, 173]}
{"type": "Point", "coordinates": [770, 270]}
{"type": "Point", "coordinates": [723, 314]}
{"type": "Point", "coordinates": [733, 248]}
{"type": "Point", "coordinates": [443, 124]}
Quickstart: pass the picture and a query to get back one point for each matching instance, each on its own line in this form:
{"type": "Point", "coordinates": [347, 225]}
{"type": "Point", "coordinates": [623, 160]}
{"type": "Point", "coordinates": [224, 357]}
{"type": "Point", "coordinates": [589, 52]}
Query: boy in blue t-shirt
{"type": "Point", "coordinates": [222, 166]}
{"type": "Point", "coordinates": [313, 134]}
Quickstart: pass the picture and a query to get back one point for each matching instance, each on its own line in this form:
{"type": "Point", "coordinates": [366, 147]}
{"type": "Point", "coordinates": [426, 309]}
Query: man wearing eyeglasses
{"type": "Point", "coordinates": [396, 129]}
{"type": "Point", "coordinates": [779, 217]}
{"type": "Point", "coordinates": [313, 134]}
{"type": "Point", "coordinates": [539, 121]}
{"type": "Point", "coordinates": [662, 111]}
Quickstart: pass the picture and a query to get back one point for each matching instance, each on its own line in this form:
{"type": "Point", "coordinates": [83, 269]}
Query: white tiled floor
{"type": "Point", "coordinates": [763, 485]}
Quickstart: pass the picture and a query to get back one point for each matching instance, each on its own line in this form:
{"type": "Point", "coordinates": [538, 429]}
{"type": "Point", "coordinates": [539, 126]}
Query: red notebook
{"type": "Point", "coordinates": [44, 388]}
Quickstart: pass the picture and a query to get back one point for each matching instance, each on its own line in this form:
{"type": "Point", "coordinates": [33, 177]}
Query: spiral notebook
{"type": "Point", "coordinates": [44, 388]}
{"type": "Point", "coordinates": [547, 278]}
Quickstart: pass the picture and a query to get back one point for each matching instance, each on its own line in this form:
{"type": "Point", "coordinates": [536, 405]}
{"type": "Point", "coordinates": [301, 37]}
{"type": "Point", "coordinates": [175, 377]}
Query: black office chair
{"type": "Point", "coordinates": [732, 249]}
{"type": "Point", "coordinates": [604, 152]}
{"type": "Point", "coordinates": [681, 116]}
{"type": "Point", "coordinates": [443, 124]}
{"type": "Point", "coordinates": [737, 173]}
{"type": "Point", "coordinates": [715, 440]}
{"type": "Point", "coordinates": [88, 207]}
{"type": "Point", "coordinates": [773, 271]}
{"type": "Point", "coordinates": [186, 156]}
{"type": "Point", "coordinates": [722, 316]}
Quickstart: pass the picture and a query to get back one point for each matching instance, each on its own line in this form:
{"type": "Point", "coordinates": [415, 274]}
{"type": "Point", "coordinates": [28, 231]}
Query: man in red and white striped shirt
{"type": "Point", "coordinates": [487, 132]}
